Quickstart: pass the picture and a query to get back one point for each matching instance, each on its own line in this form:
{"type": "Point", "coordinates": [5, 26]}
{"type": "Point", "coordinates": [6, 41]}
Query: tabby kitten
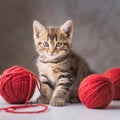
{"type": "Point", "coordinates": [60, 70]}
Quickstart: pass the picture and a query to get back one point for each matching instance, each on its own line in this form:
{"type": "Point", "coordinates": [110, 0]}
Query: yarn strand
{"type": "Point", "coordinates": [30, 88]}
{"type": "Point", "coordinates": [17, 85]}
{"type": "Point", "coordinates": [12, 109]}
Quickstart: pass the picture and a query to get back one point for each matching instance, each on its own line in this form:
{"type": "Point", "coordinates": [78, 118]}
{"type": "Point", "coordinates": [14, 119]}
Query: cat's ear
{"type": "Point", "coordinates": [38, 29]}
{"type": "Point", "coordinates": [67, 28]}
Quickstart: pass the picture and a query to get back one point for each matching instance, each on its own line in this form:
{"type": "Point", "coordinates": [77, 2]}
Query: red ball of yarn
{"type": "Point", "coordinates": [17, 85]}
{"type": "Point", "coordinates": [96, 91]}
{"type": "Point", "coordinates": [114, 75]}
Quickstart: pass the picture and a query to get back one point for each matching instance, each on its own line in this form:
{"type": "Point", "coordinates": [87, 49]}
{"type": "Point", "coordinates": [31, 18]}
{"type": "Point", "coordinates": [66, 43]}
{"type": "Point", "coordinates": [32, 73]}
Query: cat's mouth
{"type": "Point", "coordinates": [52, 56]}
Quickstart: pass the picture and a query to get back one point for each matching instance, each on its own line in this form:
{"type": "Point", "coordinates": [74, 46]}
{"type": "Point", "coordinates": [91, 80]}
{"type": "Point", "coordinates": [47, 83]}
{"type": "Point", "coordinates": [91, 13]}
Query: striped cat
{"type": "Point", "coordinates": [60, 69]}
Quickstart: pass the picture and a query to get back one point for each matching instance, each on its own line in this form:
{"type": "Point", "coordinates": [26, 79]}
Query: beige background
{"type": "Point", "coordinates": [96, 30]}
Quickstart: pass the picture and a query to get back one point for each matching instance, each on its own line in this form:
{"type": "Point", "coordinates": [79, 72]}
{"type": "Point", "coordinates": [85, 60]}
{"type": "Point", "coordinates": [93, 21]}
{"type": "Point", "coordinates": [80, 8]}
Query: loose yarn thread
{"type": "Point", "coordinates": [17, 85]}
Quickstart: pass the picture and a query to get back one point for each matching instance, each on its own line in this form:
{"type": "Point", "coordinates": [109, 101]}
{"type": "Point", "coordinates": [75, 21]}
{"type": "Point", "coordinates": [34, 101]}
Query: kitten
{"type": "Point", "coordinates": [60, 69]}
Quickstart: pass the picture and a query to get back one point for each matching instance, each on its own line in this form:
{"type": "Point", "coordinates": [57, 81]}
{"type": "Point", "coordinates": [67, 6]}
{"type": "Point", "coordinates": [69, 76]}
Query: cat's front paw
{"type": "Point", "coordinates": [57, 102]}
{"type": "Point", "coordinates": [43, 100]}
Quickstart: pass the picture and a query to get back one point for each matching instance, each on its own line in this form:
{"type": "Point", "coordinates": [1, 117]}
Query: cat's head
{"type": "Point", "coordinates": [52, 41]}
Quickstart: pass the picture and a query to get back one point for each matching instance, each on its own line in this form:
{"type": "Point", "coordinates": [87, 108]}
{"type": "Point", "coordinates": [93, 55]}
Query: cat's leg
{"type": "Point", "coordinates": [46, 89]}
{"type": "Point", "coordinates": [60, 94]}
{"type": "Point", "coordinates": [73, 95]}
{"type": "Point", "coordinates": [46, 93]}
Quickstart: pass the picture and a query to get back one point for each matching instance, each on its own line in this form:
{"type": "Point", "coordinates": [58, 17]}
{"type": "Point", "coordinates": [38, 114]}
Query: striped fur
{"type": "Point", "coordinates": [60, 69]}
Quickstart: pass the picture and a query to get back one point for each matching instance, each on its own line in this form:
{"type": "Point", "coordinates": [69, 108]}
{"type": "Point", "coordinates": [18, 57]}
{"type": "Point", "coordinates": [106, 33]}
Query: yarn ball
{"type": "Point", "coordinates": [114, 75]}
{"type": "Point", "coordinates": [96, 91]}
{"type": "Point", "coordinates": [17, 85]}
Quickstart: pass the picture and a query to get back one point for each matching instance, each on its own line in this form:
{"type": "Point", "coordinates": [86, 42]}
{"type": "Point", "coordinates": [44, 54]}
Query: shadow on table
{"type": "Point", "coordinates": [114, 106]}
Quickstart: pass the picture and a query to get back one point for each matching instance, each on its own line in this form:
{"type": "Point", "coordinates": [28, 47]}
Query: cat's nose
{"type": "Point", "coordinates": [51, 52]}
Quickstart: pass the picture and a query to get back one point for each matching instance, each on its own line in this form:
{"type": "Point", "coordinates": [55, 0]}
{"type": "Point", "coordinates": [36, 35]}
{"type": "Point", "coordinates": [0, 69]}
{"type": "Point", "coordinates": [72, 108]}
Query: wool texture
{"type": "Point", "coordinates": [96, 91]}
{"type": "Point", "coordinates": [17, 85]}
{"type": "Point", "coordinates": [114, 76]}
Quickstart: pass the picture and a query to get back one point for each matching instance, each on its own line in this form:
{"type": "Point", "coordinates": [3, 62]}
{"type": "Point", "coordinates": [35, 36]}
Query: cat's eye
{"type": "Point", "coordinates": [45, 44]}
{"type": "Point", "coordinates": [59, 44]}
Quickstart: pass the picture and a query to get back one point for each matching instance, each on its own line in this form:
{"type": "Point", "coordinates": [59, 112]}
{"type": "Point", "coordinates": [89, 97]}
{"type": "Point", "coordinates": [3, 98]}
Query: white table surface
{"type": "Point", "coordinates": [68, 112]}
